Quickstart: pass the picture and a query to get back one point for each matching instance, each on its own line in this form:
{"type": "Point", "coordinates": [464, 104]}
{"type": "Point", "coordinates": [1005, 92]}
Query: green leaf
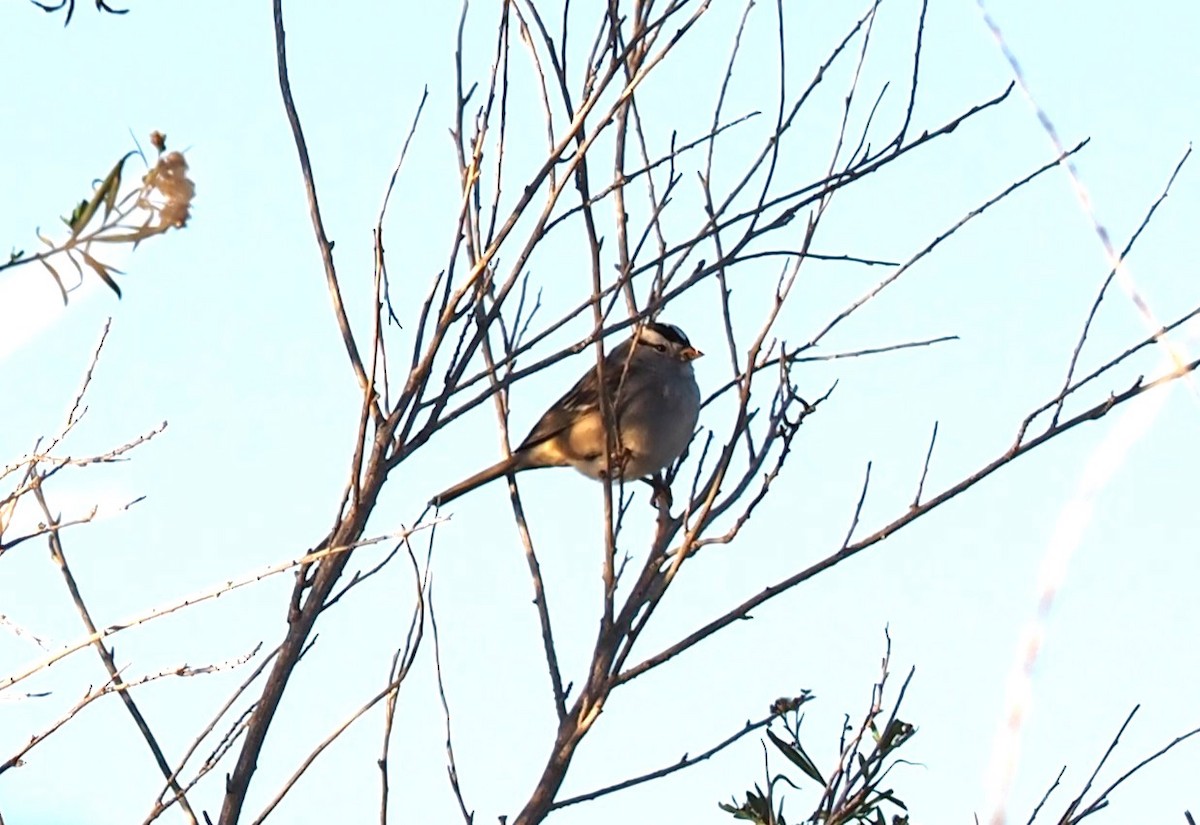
{"type": "Point", "coordinates": [112, 185]}
{"type": "Point", "coordinates": [797, 757]}
{"type": "Point", "coordinates": [106, 193]}
{"type": "Point", "coordinates": [77, 214]}
{"type": "Point", "coordinates": [889, 796]}
{"type": "Point", "coordinates": [751, 810]}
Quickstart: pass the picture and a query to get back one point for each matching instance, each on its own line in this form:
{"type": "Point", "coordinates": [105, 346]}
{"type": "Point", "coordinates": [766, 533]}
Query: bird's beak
{"type": "Point", "coordinates": [690, 353]}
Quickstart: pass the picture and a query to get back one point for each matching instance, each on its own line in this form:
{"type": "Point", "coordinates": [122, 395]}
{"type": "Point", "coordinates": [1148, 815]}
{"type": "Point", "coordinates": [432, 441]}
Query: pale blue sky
{"type": "Point", "coordinates": [225, 332]}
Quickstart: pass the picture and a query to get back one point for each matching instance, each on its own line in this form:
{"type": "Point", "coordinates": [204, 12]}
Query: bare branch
{"type": "Point", "coordinates": [685, 761]}
{"type": "Point", "coordinates": [1087, 324]}
{"type": "Point", "coordinates": [58, 554]}
{"type": "Point", "coordinates": [925, 467]}
{"type": "Point", "coordinates": [314, 208]}
{"type": "Point", "coordinates": [1094, 413]}
{"type": "Point", "coordinates": [197, 598]}
{"type": "Point", "coordinates": [451, 765]}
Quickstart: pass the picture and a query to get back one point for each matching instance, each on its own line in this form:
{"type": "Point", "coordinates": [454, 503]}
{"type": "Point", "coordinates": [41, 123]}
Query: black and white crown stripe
{"type": "Point", "coordinates": [658, 333]}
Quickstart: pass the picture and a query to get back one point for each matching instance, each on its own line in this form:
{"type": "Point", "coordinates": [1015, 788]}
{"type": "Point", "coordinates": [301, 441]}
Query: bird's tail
{"type": "Point", "coordinates": [509, 465]}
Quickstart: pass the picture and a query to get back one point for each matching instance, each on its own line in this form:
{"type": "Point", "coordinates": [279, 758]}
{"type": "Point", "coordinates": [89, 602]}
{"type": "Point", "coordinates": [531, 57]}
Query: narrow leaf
{"type": "Point", "coordinates": [101, 270]}
{"type": "Point", "coordinates": [797, 757]}
{"type": "Point", "coordinates": [57, 280]}
{"type": "Point", "coordinates": [106, 193]}
{"type": "Point", "coordinates": [112, 185]}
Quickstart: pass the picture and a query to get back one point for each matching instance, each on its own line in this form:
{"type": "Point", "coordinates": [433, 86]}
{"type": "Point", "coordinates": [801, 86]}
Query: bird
{"type": "Point", "coordinates": [655, 402]}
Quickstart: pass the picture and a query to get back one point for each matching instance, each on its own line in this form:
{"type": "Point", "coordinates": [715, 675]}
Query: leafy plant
{"type": "Point", "coordinates": [853, 791]}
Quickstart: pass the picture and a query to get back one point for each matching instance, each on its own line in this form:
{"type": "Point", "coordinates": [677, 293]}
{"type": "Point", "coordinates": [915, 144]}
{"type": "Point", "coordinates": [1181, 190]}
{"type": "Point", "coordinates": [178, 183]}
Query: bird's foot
{"type": "Point", "coordinates": [661, 497]}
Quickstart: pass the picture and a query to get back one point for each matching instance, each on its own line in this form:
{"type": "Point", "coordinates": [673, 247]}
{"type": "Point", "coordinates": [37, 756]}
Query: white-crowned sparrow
{"type": "Point", "coordinates": [655, 401]}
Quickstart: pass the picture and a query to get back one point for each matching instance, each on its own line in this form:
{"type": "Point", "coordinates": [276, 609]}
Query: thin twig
{"type": "Point", "coordinates": [1087, 324]}
{"type": "Point", "coordinates": [1094, 413]}
{"type": "Point", "coordinates": [925, 468]}
{"type": "Point", "coordinates": [314, 208]}
{"type": "Point", "coordinates": [161, 805]}
{"type": "Point", "coordinates": [1102, 800]}
{"type": "Point", "coordinates": [58, 554]}
{"type": "Point", "coordinates": [1176, 353]}
{"type": "Point", "coordinates": [402, 665]}
{"type": "Point", "coordinates": [451, 764]}
{"type": "Point", "coordinates": [862, 499]}
{"type": "Point", "coordinates": [201, 596]}
{"type": "Point", "coordinates": [1046, 796]}
{"type": "Point", "coordinates": [685, 761]}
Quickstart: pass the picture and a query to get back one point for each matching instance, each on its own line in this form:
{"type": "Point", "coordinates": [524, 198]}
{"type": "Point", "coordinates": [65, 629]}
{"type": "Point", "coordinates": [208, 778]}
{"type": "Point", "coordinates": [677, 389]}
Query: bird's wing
{"type": "Point", "coordinates": [583, 396]}
{"type": "Point", "coordinates": [560, 415]}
